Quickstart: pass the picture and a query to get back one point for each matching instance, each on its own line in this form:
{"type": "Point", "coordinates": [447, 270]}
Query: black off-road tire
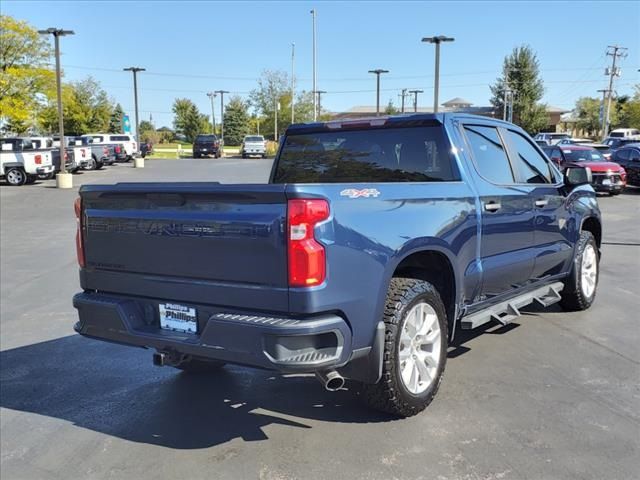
{"type": "Point", "coordinates": [389, 394]}
{"type": "Point", "coordinates": [573, 297]}
{"type": "Point", "coordinates": [199, 365]}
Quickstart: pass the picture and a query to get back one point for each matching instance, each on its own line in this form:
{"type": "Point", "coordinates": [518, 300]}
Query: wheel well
{"type": "Point", "coordinates": [435, 268]}
{"type": "Point", "coordinates": [592, 225]}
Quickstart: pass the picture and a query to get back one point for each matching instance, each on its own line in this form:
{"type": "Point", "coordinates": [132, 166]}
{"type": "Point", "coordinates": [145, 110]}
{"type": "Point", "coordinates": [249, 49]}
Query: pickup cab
{"type": "Point", "coordinates": [21, 163]}
{"type": "Point", "coordinates": [374, 243]}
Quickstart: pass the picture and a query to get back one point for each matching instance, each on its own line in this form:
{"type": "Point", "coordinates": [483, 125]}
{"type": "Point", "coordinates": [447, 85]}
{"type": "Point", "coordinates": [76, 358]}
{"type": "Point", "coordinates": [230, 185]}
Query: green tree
{"type": "Point", "coordinates": [86, 108]}
{"type": "Point", "coordinates": [236, 121]}
{"type": "Point", "coordinates": [521, 75]}
{"type": "Point", "coordinates": [166, 135]}
{"type": "Point", "coordinates": [274, 88]}
{"type": "Point", "coordinates": [390, 108]}
{"type": "Point", "coordinates": [116, 119]}
{"type": "Point", "coordinates": [148, 132]}
{"type": "Point", "coordinates": [25, 73]}
{"type": "Point", "coordinates": [188, 120]}
{"type": "Point", "coordinates": [629, 113]}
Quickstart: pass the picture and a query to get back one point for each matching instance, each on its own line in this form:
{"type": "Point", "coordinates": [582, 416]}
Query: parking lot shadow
{"type": "Point", "coordinates": [115, 390]}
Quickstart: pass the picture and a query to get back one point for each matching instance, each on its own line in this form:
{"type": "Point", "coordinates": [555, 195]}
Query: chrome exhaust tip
{"type": "Point", "coordinates": [331, 380]}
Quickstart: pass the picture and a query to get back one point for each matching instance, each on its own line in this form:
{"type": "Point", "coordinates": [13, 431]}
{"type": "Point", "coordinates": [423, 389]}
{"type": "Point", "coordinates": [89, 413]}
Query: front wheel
{"type": "Point", "coordinates": [415, 349]}
{"type": "Point", "coordinates": [15, 176]}
{"type": "Point", "coordinates": [579, 290]}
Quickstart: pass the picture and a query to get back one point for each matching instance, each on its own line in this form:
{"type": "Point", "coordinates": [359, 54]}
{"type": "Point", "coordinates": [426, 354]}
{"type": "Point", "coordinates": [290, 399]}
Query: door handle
{"type": "Point", "coordinates": [492, 206]}
{"type": "Point", "coordinates": [541, 202]}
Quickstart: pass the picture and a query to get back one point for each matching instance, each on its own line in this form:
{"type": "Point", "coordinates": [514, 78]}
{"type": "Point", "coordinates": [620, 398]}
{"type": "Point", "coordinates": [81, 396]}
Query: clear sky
{"type": "Point", "coordinates": [189, 48]}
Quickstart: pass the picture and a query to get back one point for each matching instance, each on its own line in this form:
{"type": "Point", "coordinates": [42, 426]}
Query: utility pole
{"type": "Point", "coordinates": [505, 93]}
{"type": "Point", "coordinates": [63, 180]}
{"type": "Point", "coordinates": [437, 41]}
{"type": "Point", "coordinates": [415, 99]}
{"type": "Point", "coordinates": [615, 52]}
{"type": "Point", "coordinates": [293, 81]}
{"type": "Point", "coordinates": [603, 118]}
{"type": "Point", "coordinates": [222, 92]}
{"type": "Point", "coordinates": [212, 96]}
{"type": "Point", "coordinates": [377, 72]}
{"type": "Point", "coordinates": [135, 71]}
{"type": "Point", "coordinates": [315, 78]}
{"type": "Point", "coordinates": [319, 93]}
{"type": "Point", "coordinates": [402, 96]}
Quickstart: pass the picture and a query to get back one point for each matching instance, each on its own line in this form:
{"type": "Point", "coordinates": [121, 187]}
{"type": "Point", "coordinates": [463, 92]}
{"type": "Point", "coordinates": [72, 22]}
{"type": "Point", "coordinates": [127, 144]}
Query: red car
{"type": "Point", "coordinates": [607, 176]}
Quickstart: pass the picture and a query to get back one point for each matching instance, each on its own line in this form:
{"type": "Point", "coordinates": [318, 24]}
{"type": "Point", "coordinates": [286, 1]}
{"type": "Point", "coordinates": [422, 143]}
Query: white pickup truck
{"type": "Point", "coordinates": [20, 163]}
{"type": "Point", "coordinates": [81, 153]}
{"type": "Point", "coordinates": [127, 141]}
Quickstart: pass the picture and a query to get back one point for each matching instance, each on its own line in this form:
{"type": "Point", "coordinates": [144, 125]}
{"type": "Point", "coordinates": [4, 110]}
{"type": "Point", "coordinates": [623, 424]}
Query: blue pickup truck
{"type": "Point", "coordinates": [373, 243]}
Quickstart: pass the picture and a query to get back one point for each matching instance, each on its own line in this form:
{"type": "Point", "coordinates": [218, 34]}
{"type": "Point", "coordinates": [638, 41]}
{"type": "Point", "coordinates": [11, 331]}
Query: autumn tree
{"type": "Point", "coordinates": [26, 74]}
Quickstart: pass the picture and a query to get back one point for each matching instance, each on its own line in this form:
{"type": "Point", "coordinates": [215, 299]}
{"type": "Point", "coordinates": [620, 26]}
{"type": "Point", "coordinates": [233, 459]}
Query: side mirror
{"type": "Point", "coordinates": [575, 176]}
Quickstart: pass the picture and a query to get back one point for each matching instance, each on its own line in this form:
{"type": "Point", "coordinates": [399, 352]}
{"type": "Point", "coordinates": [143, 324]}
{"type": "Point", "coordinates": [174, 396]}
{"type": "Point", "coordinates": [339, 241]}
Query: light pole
{"type": "Point", "coordinates": [222, 92]}
{"type": "Point", "coordinates": [437, 40]}
{"type": "Point", "coordinates": [315, 78]}
{"type": "Point", "coordinates": [135, 71]}
{"type": "Point", "coordinates": [62, 180]}
{"type": "Point", "coordinates": [212, 96]}
{"type": "Point", "coordinates": [377, 72]}
{"type": "Point", "coordinates": [415, 99]}
{"type": "Point", "coordinates": [293, 80]}
{"type": "Point", "coordinates": [276, 108]}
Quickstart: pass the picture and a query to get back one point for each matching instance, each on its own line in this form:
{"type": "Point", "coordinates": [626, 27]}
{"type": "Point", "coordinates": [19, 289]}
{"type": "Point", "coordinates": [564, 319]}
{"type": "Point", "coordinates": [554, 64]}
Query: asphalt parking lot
{"type": "Point", "coordinates": [554, 395]}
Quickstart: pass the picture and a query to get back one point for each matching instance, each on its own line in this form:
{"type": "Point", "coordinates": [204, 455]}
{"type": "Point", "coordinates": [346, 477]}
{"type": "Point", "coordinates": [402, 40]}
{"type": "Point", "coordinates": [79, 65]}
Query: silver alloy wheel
{"type": "Point", "coordinates": [589, 271]}
{"type": "Point", "coordinates": [419, 348]}
{"type": "Point", "coordinates": [15, 176]}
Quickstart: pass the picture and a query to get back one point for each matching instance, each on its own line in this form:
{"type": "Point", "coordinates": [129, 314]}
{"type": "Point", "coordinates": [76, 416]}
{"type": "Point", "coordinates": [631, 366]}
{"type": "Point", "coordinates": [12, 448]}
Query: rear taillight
{"type": "Point", "coordinates": [77, 206]}
{"type": "Point", "coordinates": [105, 151]}
{"type": "Point", "coordinates": [307, 261]}
{"type": "Point", "coordinates": [38, 159]}
{"type": "Point", "coordinates": [117, 149]}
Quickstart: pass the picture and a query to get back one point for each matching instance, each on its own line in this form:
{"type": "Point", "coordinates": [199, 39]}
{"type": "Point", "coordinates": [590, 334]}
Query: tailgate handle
{"type": "Point", "coordinates": [492, 206]}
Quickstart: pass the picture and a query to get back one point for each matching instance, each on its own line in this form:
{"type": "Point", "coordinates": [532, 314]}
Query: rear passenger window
{"type": "Point", "coordinates": [532, 167]}
{"type": "Point", "coordinates": [489, 154]}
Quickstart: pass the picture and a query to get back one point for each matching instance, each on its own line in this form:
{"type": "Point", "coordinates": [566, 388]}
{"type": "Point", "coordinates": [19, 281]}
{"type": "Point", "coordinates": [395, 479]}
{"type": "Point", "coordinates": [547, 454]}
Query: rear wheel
{"type": "Point", "coordinates": [91, 164]}
{"type": "Point", "coordinates": [15, 176]}
{"type": "Point", "coordinates": [415, 349]}
{"type": "Point", "coordinates": [579, 290]}
{"type": "Point", "coordinates": [199, 365]}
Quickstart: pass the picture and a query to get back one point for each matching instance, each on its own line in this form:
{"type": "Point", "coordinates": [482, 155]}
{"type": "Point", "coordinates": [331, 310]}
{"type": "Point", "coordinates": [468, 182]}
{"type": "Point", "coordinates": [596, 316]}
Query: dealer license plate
{"type": "Point", "coordinates": [606, 181]}
{"type": "Point", "coordinates": [178, 318]}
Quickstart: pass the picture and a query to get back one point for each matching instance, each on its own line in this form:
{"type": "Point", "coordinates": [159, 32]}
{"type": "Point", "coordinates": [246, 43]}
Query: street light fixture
{"type": "Point", "coordinates": [63, 180]}
{"type": "Point", "coordinates": [135, 71]}
{"type": "Point", "coordinates": [378, 72]}
{"type": "Point", "coordinates": [437, 40]}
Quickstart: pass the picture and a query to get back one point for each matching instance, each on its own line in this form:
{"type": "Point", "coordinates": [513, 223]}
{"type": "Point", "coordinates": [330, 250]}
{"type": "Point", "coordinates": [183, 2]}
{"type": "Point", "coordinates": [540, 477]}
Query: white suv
{"type": "Point", "coordinates": [124, 139]}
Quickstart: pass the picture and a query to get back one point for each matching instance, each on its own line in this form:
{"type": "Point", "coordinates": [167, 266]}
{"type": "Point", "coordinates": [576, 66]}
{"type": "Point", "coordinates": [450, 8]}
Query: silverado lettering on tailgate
{"type": "Point", "coordinates": [174, 229]}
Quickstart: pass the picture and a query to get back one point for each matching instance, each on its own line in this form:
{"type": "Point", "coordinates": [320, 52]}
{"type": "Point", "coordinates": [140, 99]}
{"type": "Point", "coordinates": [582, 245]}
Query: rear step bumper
{"type": "Point", "coordinates": [285, 344]}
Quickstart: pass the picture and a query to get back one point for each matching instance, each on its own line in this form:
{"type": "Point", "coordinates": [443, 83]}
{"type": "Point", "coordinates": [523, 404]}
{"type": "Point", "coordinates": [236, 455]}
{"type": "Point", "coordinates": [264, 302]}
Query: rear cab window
{"type": "Point", "coordinates": [206, 138]}
{"type": "Point", "coordinates": [389, 154]}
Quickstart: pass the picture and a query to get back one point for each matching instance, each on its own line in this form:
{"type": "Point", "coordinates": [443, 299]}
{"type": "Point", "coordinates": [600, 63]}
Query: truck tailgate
{"type": "Point", "coordinates": [225, 241]}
